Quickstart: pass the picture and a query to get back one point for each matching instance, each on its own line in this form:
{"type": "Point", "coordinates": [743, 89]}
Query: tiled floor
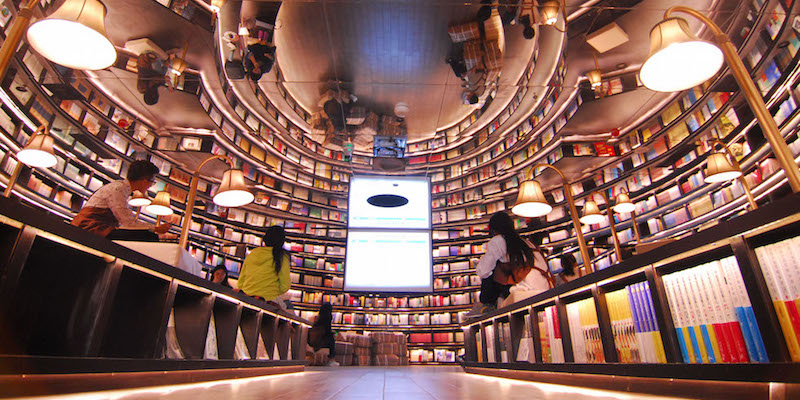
{"type": "Point", "coordinates": [363, 383]}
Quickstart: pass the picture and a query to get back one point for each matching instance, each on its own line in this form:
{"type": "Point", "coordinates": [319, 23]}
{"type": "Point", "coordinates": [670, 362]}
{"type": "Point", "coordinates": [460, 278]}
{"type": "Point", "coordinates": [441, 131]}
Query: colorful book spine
{"type": "Point", "coordinates": [624, 327]}
{"type": "Point", "coordinates": [780, 271]}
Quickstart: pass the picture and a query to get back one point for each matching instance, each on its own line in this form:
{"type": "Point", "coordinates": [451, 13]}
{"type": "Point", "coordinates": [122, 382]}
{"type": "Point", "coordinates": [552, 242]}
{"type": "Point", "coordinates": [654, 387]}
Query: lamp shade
{"type": "Point", "coordinates": [74, 36]}
{"type": "Point", "coordinates": [233, 190]}
{"type": "Point", "coordinates": [38, 152]}
{"type": "Point", "coordinates": [591, 213]}
{"type": "Point", "coordinates": [177, 66]}
{"type": "Point", "coordinates": [531, 201]}
{"type": "Point", "coordinates": [594, 78]}
{"type": "Point", "coordinates": [624, 204]}
{"type": "Point", "coordinates": [139, 199]}
{"type": "Point", "coordinates": [719, 169]}
{"type": "Point", "coordinates": [550, 12]}
{"type": "Point", "coordinates": [678, 60]}
{"type": "Point", "coordinates": [161, 204]}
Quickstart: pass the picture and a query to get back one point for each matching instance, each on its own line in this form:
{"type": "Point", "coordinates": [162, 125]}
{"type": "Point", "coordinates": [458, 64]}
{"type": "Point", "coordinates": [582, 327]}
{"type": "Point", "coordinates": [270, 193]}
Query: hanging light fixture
{"type": "Point", "coordinates": [550, 12]}
{"type": "Point", "coordinates": [74, 36]}
{"type": "Point", "coordinates": [595, 75]}
{"type": "Point", "coordinates": [233, 190]}
{"type": "Point", "coordinates": [720, 169]}
{"type": "Point", "coordinates": [216, 5]}
{"type": "Point", "coordinates": [678, 59]}
{"type": "Point", "coordinates": [591, 213]}
{"type": "Point", "coordinates": [161, 204]}
{"type": "Point", "coordinates": [139, 199]}
{"type": "Point", "coordinates": [623, 203]}
{"type": "Point", "coordinates": [39, 151]}
{"type": "Point", "coordinates": [531, 201]}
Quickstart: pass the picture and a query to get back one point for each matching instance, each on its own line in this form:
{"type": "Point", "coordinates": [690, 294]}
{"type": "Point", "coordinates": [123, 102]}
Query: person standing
{"type": "Point", "coordinates": [265, 271]}
{"type": "Point", "coordinates": [107, 213]}
{"type": "Point", "coordinates": [507, 246]}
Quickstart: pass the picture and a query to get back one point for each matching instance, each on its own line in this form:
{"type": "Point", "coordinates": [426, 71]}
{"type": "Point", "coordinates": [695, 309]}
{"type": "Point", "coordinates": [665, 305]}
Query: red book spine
{"type": "Point", "coordinates": [740, 352]}
{"type": "Point", "coordinates": [794, 316]}
{"type": "Point", "coordinates": [724, 343]}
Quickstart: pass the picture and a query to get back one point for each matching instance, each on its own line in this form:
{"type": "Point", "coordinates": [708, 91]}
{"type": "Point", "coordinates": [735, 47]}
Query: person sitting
{"type": "Point", "coordinates": [265, 271]}
{"type": "Point", "coordinates": [220, 275]}
{"type": "Point", "coordinates": [107, 214]}
{"type": "Point", "coordinates": [259, 59]}
{"type": "Point", "coordinates": [320, 335]}
{"type": "Point", "coordinates": [506, 246]}
{"type": "Point", "coordinates": [151, 75]}
{"type": "Point", "coordinates": [568, 264]}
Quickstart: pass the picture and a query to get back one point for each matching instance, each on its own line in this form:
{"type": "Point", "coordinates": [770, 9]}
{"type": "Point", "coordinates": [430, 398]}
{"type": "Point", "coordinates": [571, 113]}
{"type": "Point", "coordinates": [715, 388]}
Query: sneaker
{"type": "Point", "coordinates": [476, 310]}
{"type": "Point", "coordinates": [333, 363]}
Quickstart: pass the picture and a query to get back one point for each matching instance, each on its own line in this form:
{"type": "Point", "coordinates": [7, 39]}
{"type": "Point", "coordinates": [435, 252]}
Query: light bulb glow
{"type": "Point", "coordinates": [160, 210]}
{"type": "Point", "coordinates": [139, 202]}
{"type": "Point", "coordinates": [37, 158]}
{"type": "Point", "coordinates": [591, 219]}
{"type": "Point", "coordinates": [722, 176]}
{"type": "Point", "coordinates": [531, 209]}
{"type": "Point", "coordinates": [233, 198]}
{"type": "Point", "coordinates": [624, 207]}
{"type": "Point", "coordinates": [681, 66]}
{"type": "Point", "coordinates": [71, 44]}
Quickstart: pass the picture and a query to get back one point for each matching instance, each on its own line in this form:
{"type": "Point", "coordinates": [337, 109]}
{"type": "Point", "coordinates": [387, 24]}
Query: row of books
{"type": "Point", "coordinates": [550, 335]}
{"type": "Point", "coordinates": [466, 249]}
{"type": "Point", "coordinates": [315, 248]}
{"type": "Point", "coordinates": [350, 300]}
{"type": "Point", "coordinates": [435, 337]}
{"type": "Point", "coordinates": [319, 263]}
{"type": "Point", "coordinates": [457, 281]}
{"type": "Point", "coordinates": [712, 314]}
{"type": "Point", "coordinates": [780, 265]}
{"type": "Point", "coordinates": [454, 266]}
{"type": "Point", "coordinates": [587, 345]}
{"type": "Point", "coordinates": [633, 322]}
{"type": "Point", "coordinates": [435, 355]}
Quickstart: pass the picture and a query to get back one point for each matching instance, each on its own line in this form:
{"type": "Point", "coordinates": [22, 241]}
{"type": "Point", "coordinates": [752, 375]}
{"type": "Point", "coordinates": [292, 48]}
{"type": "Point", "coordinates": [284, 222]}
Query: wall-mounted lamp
{"type": "Point", "coordinates": [38, 153]}
{"type": "Point", "coordinates": [722, 166]}
{"type": "Point", "coordinates": [232, 192]}
{"type": "Point", "coordinates": [592, 215]}
{"type": "Point", "coordinates": [679, 60]}
{"type": "Point", "coordinates": [532, 203]}
{"type": "Point", "coordinates": [623, 204]}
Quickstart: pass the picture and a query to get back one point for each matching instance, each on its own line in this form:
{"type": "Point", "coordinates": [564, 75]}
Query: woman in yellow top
{"type": "Point", "coordinates": [265, 272]}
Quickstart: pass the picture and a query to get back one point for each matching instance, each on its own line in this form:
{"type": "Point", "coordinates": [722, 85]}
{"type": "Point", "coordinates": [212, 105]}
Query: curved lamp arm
{"type": "Point", "coordinates": [752, 94]}
{"type": "Point", "coordinates": [610, 212]}
{"type": "Point", "coordinates": [750, 199]}
{"type": "Point", "coordinates": [187, 215]}
{"type": "Point", "coordinates": [587, 260]}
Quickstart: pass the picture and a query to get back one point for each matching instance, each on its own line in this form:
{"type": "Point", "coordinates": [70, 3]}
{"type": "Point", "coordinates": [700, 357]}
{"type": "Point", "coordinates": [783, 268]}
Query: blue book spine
{"type": "Point", "coordinates": [649, 309]}
{"type": "Point", "coordinates": [709, 347]}
{"type": "Point", "coordinates": [682, 342]}
{"type": "Point", "coordinates": [756, 333]}
{"type": "Point", "coordinates": [748, 338]}
{"type": "Point", "coordinates": [698, 357]}
{"type": "Point", "coordinates": [635, 312]}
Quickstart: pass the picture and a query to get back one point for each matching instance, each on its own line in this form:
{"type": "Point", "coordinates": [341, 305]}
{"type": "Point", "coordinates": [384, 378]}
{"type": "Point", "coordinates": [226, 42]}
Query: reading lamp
{"type": "Point", "coordinates": [138, 200]}
{"type": "Point", "coordinates": [160, 206]}
{"type": "Point", "coordinates": [232, 192]}
{"type": "Point", "coordinates": [592, 215]}
{"type": "Point", "coordinates": [679, 60]}
{"type": "Point", "coordinates": [532, 203]}
{"type": "Point", "coordinates": [38, 153]}
{"type": "Point", "coordinates": [595, 75]}
{"type": "Point", "coordinates": [719, 168]}
{"type": "Point", "coordinates": [73, 36]}
{"type": "Point", "coordinates": [623, 204]}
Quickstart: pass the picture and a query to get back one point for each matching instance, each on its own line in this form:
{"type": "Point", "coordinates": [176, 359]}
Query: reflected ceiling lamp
{"type": "Point", "coordinates": [216, 5]}
{"type": "Point", "coordinates": [38, 153]}
{"type": "Point", "coordinates": [74, 36]}
{"type": "Point", "coordinates": [532, 203]}
{"type": "Point", "coordinates": [550, 11]}
{"type": "Point", "coordinates": [679, 60]}
{"type": "Point", "coordinates": [232, 192]}
{"type": "Point", "coordinates": [721, 166]}
{"type": "Point", "coordinates": [624, 205]}
{"type": "Point", "coordinates": [595, 75]}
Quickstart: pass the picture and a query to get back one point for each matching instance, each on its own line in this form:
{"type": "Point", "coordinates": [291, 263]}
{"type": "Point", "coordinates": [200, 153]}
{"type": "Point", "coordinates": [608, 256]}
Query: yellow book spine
{"type": "Point", "coordinates": [701, 343]}
{"type": "Point", "coordinates": [788, 330]}
{"type": "Point", "coordinates": [689, 347]}
{"type": "Point", "coordinates": [659, 345]}
{"type": "Point", "coordinates": [714, 343]}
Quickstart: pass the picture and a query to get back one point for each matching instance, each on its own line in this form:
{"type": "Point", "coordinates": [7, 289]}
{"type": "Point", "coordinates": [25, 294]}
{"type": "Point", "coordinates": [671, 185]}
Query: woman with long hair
{"type": "Point", "coordinates": [265, 271]}
{"type": "Point", "coordinates": [320, 335]}
{"type": "Point", "coordinates": [507, 246]}
{"type": "Point", "coordinates": [568, 264]}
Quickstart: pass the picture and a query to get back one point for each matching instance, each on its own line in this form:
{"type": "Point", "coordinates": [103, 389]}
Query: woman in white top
{"type": "Point", "coordinates": [507, 246]}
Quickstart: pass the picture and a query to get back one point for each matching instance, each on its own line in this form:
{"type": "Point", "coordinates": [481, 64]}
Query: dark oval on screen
{"type": "Point", "coordinates": [387, 200]}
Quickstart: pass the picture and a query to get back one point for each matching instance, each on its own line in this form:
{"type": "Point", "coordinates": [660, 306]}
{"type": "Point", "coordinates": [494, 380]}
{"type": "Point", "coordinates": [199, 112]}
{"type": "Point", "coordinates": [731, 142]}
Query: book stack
{"type": "Point", "coordinates": [587, 346]}
{"type": "Point", "coordinates": [781, 267]}
{"type": "Point", "coordinates": [636, 336]}
{"type": "Point", "coordinates": [712, 314]}
{"type": "Point", "coordinates": [550, 336]}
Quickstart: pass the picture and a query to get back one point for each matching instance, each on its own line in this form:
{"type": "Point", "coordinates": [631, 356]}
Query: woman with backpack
{"type": "Point", "coordinates": [510, 263]}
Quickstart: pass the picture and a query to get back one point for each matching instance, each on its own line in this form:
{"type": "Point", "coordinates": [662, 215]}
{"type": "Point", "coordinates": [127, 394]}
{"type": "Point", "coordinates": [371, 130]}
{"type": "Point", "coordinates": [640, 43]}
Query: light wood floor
{"type": "Point", "coordinates": [363, 383]}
